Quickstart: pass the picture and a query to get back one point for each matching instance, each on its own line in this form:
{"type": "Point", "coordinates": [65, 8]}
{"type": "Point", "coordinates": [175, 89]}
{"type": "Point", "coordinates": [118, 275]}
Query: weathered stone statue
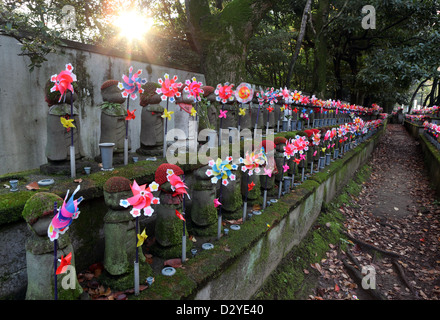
{"type": "Point", "coordinates": [38, 213]}
{"type": "Point", "coordinates": [151, 122]}
{"type": "Point", "coordinates": [169, 228]}
{"type": "Point", "coordinates": [119, 228]}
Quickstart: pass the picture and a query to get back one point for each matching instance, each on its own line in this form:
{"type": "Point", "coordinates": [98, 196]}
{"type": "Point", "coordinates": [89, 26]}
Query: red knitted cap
{"type": "Point", "coordinates": [161, 172]}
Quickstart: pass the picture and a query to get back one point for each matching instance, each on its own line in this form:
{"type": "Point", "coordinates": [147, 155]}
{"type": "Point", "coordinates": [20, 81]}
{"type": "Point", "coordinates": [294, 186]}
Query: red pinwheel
{"type": "Point", "coordinates": [130, 115]}
{"type": "Point", "coordinates": [251, 186]}
{"type": "Point", "coordinates": [169, 89]}
{"type": "Point", "coordinates": [65, 262]}
{"type": "Point", "coordinates": [224, 93]}
{"type": "Point", "coordinates": [270, 109]}
{"type": "Point", "coordinates": [63, 81]}
{"type": "Point", "coordinates": [179, 215]}
{"type": "Point", "coordinates": [132, 84]}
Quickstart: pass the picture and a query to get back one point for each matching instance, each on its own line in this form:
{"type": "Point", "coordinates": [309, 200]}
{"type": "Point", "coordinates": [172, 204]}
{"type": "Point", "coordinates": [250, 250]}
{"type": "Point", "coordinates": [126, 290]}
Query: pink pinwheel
{"type": "Point", "coordinates": [194, 89]}
{"type": "Point", "coordinates": [302, 157]}
{"type": "Point", "coordinates": [301, 144]}
{"type": "Point", "coordinates": [285, 167]}
{"type": "Point", "coordinates": [177, 185]}
{"type": "Point", "coordinates": [142, 199]}
{"type": "Point", "coordinates": [224, 93]}
{"type": "Point", "coordinates": [268, 172]}
{"type": "Point", "coordinates": [285, 93]}
{"type": "Point", "coordinates": [327, 135]}
{"type": "Point", "coordinates": [65, 215]}
{"type": "Point", "coordinates": [252, 161]}
{"type": "Point", "coordinates": [169, 89]}
{"type": "Point", "coordinates": [63, 81]}
{"type": "Point", "coordinates": [223, 113]}
{"type": "Point", "coordinates": [217, 203]}
{"type": "Point", "coordinates": [305, 100]}
{"type": "Point", "coordinates": [132, 84]}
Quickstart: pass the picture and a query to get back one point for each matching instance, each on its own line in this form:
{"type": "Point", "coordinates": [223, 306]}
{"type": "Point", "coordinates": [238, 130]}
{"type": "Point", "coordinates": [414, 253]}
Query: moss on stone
{"type": "Point", "coordinates": [39, 205]}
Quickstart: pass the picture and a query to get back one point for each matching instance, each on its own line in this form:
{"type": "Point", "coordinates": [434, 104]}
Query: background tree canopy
{"type": "Point", "coordinates": [318, 47]}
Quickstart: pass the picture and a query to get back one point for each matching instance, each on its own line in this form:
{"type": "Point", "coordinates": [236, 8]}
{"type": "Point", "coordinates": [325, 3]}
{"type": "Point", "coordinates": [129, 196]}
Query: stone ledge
{"type": "Point", "coordinates": [241, 261]}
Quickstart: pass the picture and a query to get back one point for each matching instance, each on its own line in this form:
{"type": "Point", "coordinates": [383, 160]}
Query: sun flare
{"type": "Point", "coordinates": [133, 25]}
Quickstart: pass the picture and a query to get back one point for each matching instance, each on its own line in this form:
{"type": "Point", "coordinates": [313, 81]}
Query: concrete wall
{"type": "Point", "coordinates": [23, 110]}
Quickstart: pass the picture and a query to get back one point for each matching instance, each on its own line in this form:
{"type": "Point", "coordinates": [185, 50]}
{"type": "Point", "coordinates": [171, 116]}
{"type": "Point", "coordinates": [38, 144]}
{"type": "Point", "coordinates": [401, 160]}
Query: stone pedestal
{"type": "Point", "coordinates": [232, 201]}
{"type": "Point", "coordinates": [113, 128]}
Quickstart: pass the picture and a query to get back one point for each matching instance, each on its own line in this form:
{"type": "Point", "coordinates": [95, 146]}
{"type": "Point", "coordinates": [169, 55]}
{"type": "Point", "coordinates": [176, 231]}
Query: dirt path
{"type": "Point", "coordinates": [397, 212]}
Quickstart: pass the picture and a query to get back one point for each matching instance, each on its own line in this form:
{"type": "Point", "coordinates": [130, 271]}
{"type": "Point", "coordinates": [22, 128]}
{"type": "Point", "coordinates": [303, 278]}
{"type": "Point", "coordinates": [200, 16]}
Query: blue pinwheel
{"type": "Point", "coordinates": [132, 84]}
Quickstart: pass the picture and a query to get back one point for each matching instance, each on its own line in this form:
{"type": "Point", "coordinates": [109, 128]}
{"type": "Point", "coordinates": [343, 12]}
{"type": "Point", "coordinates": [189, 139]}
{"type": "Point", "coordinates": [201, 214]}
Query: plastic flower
{"type": "Point", "coordinates": [132, 84]}
{"type": "Point", "coordinates": [142, 199]}
{"type": "Point", "coordinates": [169, 89]}
{"type": "Point", "coordinates": [224, 93]}
{"type": "Point", "coordinates": [63, 81]}
{"type": "Point", "coordinates": [244, 93]}
{"type": "Point", "coordinates": [221, 170]}
{"type": "Point", "coordinates": [194, 89]}
{"type": "Point", "coordinates": [316, 138]}
{"type": "Point", "coordinates": [65, 215]}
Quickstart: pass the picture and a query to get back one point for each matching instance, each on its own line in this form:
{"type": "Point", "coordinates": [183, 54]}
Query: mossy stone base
{"type": "Point", "coordinates": [126, 280]}
{"type": "Point", "coordinates": [40, 270]}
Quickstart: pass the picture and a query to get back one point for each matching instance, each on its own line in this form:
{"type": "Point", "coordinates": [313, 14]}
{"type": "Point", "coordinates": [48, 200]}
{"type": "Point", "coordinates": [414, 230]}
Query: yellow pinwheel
{"type": "Point", "coordinates": [167, 114]}
{"type": "Point", "coordinates": [323, 149]}
{"type": "Point", "coordinates": [193, 112]}
{"type": "Point", "coordinates": [67, 123]}
{"type": "Point", "coordinates": [141, 238]}
{"type": "Point", "coordinates": [242, 112]}
{"type": "Point", "coordinates": [282, 108]}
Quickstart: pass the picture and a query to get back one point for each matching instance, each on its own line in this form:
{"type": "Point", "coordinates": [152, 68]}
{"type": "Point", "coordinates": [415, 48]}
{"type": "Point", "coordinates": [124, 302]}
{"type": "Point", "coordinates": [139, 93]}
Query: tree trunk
{"type": "Point", "coordinates": [222, 39]}
{"type": "Point", "coordinates": [321, 54]}
{"type": "Point", "coordinates": [302, 32]}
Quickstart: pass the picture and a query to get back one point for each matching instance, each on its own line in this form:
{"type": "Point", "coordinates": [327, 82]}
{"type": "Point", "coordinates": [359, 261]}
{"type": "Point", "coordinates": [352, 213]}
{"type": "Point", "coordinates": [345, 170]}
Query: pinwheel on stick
{"type": "Point", "coordinates": [224, 94]}
{"type": "Point", "coordinates": [221, 170]}
{"type": "Point", "coordinates": [63, 84]}
{"type": "Point", "coordinates": [251, 163]}
{"type": "Point", "coordinates": [141, 201]}
{"type": "Point", "coordinates": [243, 94]}
{"type": "Point", "coordinates": [169, 91]}
{"type": "Point", "coordinates": [131, 85]}
{"type": "Point", "coordinates": [59, 224]}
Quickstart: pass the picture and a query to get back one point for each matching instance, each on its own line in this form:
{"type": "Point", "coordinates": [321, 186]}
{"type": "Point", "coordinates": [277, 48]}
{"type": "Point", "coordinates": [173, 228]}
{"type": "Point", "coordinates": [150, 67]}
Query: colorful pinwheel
{"type": "Point", "coordinates": [65, 215]}
{"type": "Point", "coordinates": [244, 93]}
{"type": "Point", "coordinates": [132, 84]}
{"type": "Point", "coordinates": [194, 89]}
{"type": "Point", "coordinates": [224, 93]}
{"type": "Point", "coordinates": [63, 81]}
{"type": "Point", "coordinates": [169, 89]}
{"type": "Point", "coordinates": [221, 170]}
{"type": "Point", "coordinates": [252, 162]}
{"type": "Point", "coordinates": [142, 199]}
